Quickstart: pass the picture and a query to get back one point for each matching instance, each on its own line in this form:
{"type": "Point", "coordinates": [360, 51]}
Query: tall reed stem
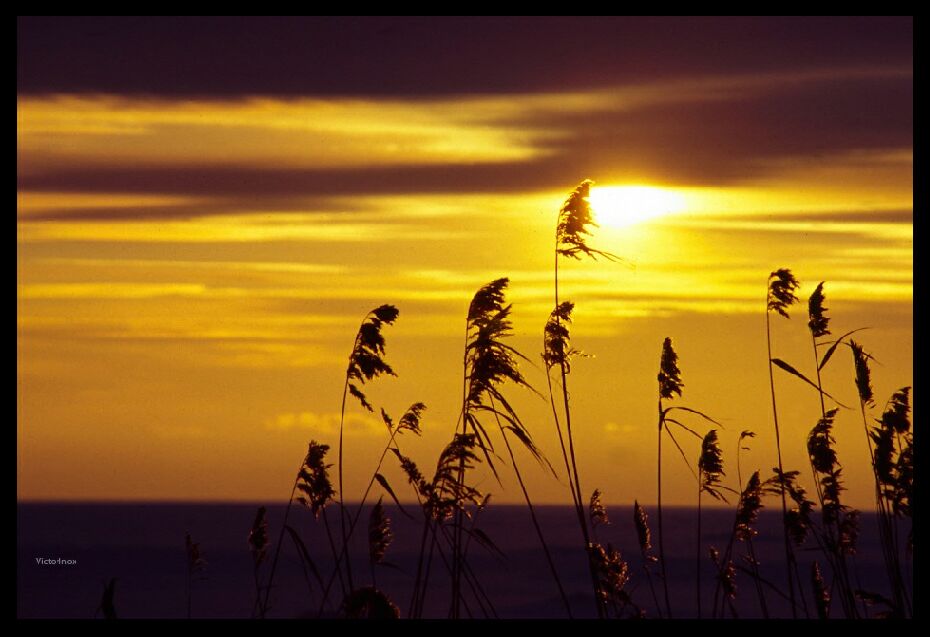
{"type": "Point", "coordinates": [668, 605]}
{"type": "Point", "coordinates": [342, 510]}
{"type": "Point", "coordinates": [698, 556]}
{"type": "Point", "coordinates": [784, 503]}
{"type": "Point", "coordinates": [579, 500]}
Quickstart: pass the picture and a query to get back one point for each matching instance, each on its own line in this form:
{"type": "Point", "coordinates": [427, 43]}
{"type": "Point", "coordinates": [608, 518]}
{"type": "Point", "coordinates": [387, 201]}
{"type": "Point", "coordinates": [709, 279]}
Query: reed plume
{"type": "Point", "coordinates": [488, 363]}
{"type": "Point", "coordinates": [313, 479]}
{"type": "Point", "coordinates": [574, 219]}
{"type": "Point", "coordinates": [613, 574]}
{"type": "Point", "coordinates": [596, 510]}
{"type": "Point", "coordinates": [817, 321]}
{"type": "Point", "coordinates": [670, 382]}
{"type": "Point", "coordinates": [380, 537]}
{"type": "Point", "coordinates": [880, 444]}
{"type": "Point", "coordinates": [891, 452]}
{"type": "Point", "coordinates": [316, 490]}
{"type": "Point", "coordinates": [782, 285]}
{"type": "Point", "coordinates": [641, 522]}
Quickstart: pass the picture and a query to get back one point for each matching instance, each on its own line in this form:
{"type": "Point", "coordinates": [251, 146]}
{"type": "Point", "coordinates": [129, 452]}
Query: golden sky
{"type": "Point", "coordinates": [192, 269]}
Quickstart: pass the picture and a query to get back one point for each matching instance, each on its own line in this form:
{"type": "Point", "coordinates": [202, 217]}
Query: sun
{"type": "Point", "coordinates": [620, 206]}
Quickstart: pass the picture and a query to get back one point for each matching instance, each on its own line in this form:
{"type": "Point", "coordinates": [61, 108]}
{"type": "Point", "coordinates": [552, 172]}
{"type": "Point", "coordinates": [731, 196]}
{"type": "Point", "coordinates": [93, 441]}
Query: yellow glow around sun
{"type": "Point", "coordinates": [620, 206]}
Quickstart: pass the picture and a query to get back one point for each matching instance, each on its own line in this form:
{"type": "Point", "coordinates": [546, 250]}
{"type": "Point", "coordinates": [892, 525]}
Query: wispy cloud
{"type": "Point", "coordinates": [325, 425]}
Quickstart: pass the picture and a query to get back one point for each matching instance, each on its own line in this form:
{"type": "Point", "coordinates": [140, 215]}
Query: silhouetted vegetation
{"type": "Point", "coordinates": [449, 501]}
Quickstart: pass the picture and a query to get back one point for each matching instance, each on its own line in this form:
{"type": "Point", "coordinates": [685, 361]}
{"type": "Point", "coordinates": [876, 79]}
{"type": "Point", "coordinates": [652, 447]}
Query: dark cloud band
{"type": "Point", "coordinates": [428, 56]}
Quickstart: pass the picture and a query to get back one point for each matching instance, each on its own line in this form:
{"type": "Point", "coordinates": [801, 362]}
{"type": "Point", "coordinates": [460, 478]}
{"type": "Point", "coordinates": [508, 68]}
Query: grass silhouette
{"type": "Point", "coordinates": [449, 502]}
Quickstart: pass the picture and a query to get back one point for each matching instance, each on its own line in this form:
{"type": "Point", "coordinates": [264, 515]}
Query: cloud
{"type": "Point", "coordinates": [326, 424]}
{"type": "Point", "coordinates": [413, 56]}
{"type": "Point", "coordinates": [713, 130]}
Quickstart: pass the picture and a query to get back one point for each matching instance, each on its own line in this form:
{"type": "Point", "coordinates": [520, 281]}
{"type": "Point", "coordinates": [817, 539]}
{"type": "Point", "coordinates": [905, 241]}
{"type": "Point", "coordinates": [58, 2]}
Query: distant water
{"type": "Point", "coordinates": [142, 546]}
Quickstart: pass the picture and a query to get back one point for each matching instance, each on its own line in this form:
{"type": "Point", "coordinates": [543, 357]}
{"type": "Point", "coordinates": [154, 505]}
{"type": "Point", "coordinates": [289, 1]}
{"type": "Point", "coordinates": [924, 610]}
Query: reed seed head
{"type": "Point", "coordinates": [366, 361]}
{"type": "Point", "coordinates": [612, 573]}
{"type": "Point", "coordinates": [820, 443]}
{"type": "Point", "coordinates": [410, 421]}
{"type": "Point", "coordinates": [258, 537]}
{"type": "Point", "coordinates": [379, 533]}
{"type": "Point", "coordinates": [641, 521]}
{"type": "Point", "coordinates": [817, 322]}
{"type": "Point", "coordinates": [557, 341]}
{"type": "Point", "coordinates": [896, 412]}
{"type": "Point", "coordinates": [782, 285]}
{"type": "Point", "coordinates": [863, 375]}
{"type": "Point", "coordinates": [750, 503]}
{"type": "Point", "coordinates": [710, 465]}
{"type": "Point", "coordinates": [574, 219]}
{"type": "Point", "coordinates": [313, 479]}
{"type": "Point", "coordinates": [596, 509]}
{"type": "Point", "coordinates": [195, 559]}
{"type": "Point", "coordinates": [669, 375]}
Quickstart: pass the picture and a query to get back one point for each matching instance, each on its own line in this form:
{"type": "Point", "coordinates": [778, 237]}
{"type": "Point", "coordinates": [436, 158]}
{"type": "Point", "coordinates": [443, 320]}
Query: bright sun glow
{"type": "Point", "coordinates": [620, 206]}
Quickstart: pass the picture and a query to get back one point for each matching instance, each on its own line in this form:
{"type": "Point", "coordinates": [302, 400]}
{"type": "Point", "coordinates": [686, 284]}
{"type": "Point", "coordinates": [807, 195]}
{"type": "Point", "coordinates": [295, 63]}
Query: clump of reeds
{"type": "Point", "coordinates": [840, 523]}
{"type": "Point", "coordinates": [316, 489]}
{"type": "Point", "coordinates": [446, 497]}
{"type": "Point", "coordinates": [798, 519]}
{"type": "Point", "coordinates": [409, 422]}
{"type": "Point", "coordinates": [489, 363]}
{"type": "Point", "coordinates": [890, 451]}
{"type": "Point", "coordinates": [613, 574]}
{"type": "Point", "coordinates": [747, 510]}
{"type": "Point", "coordinates": [366, 362]}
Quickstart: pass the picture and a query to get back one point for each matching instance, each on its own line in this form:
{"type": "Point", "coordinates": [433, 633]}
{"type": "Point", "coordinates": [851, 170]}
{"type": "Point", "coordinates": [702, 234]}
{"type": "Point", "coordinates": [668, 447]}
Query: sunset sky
{"type": "Point", "coordinates": [207, 208]}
